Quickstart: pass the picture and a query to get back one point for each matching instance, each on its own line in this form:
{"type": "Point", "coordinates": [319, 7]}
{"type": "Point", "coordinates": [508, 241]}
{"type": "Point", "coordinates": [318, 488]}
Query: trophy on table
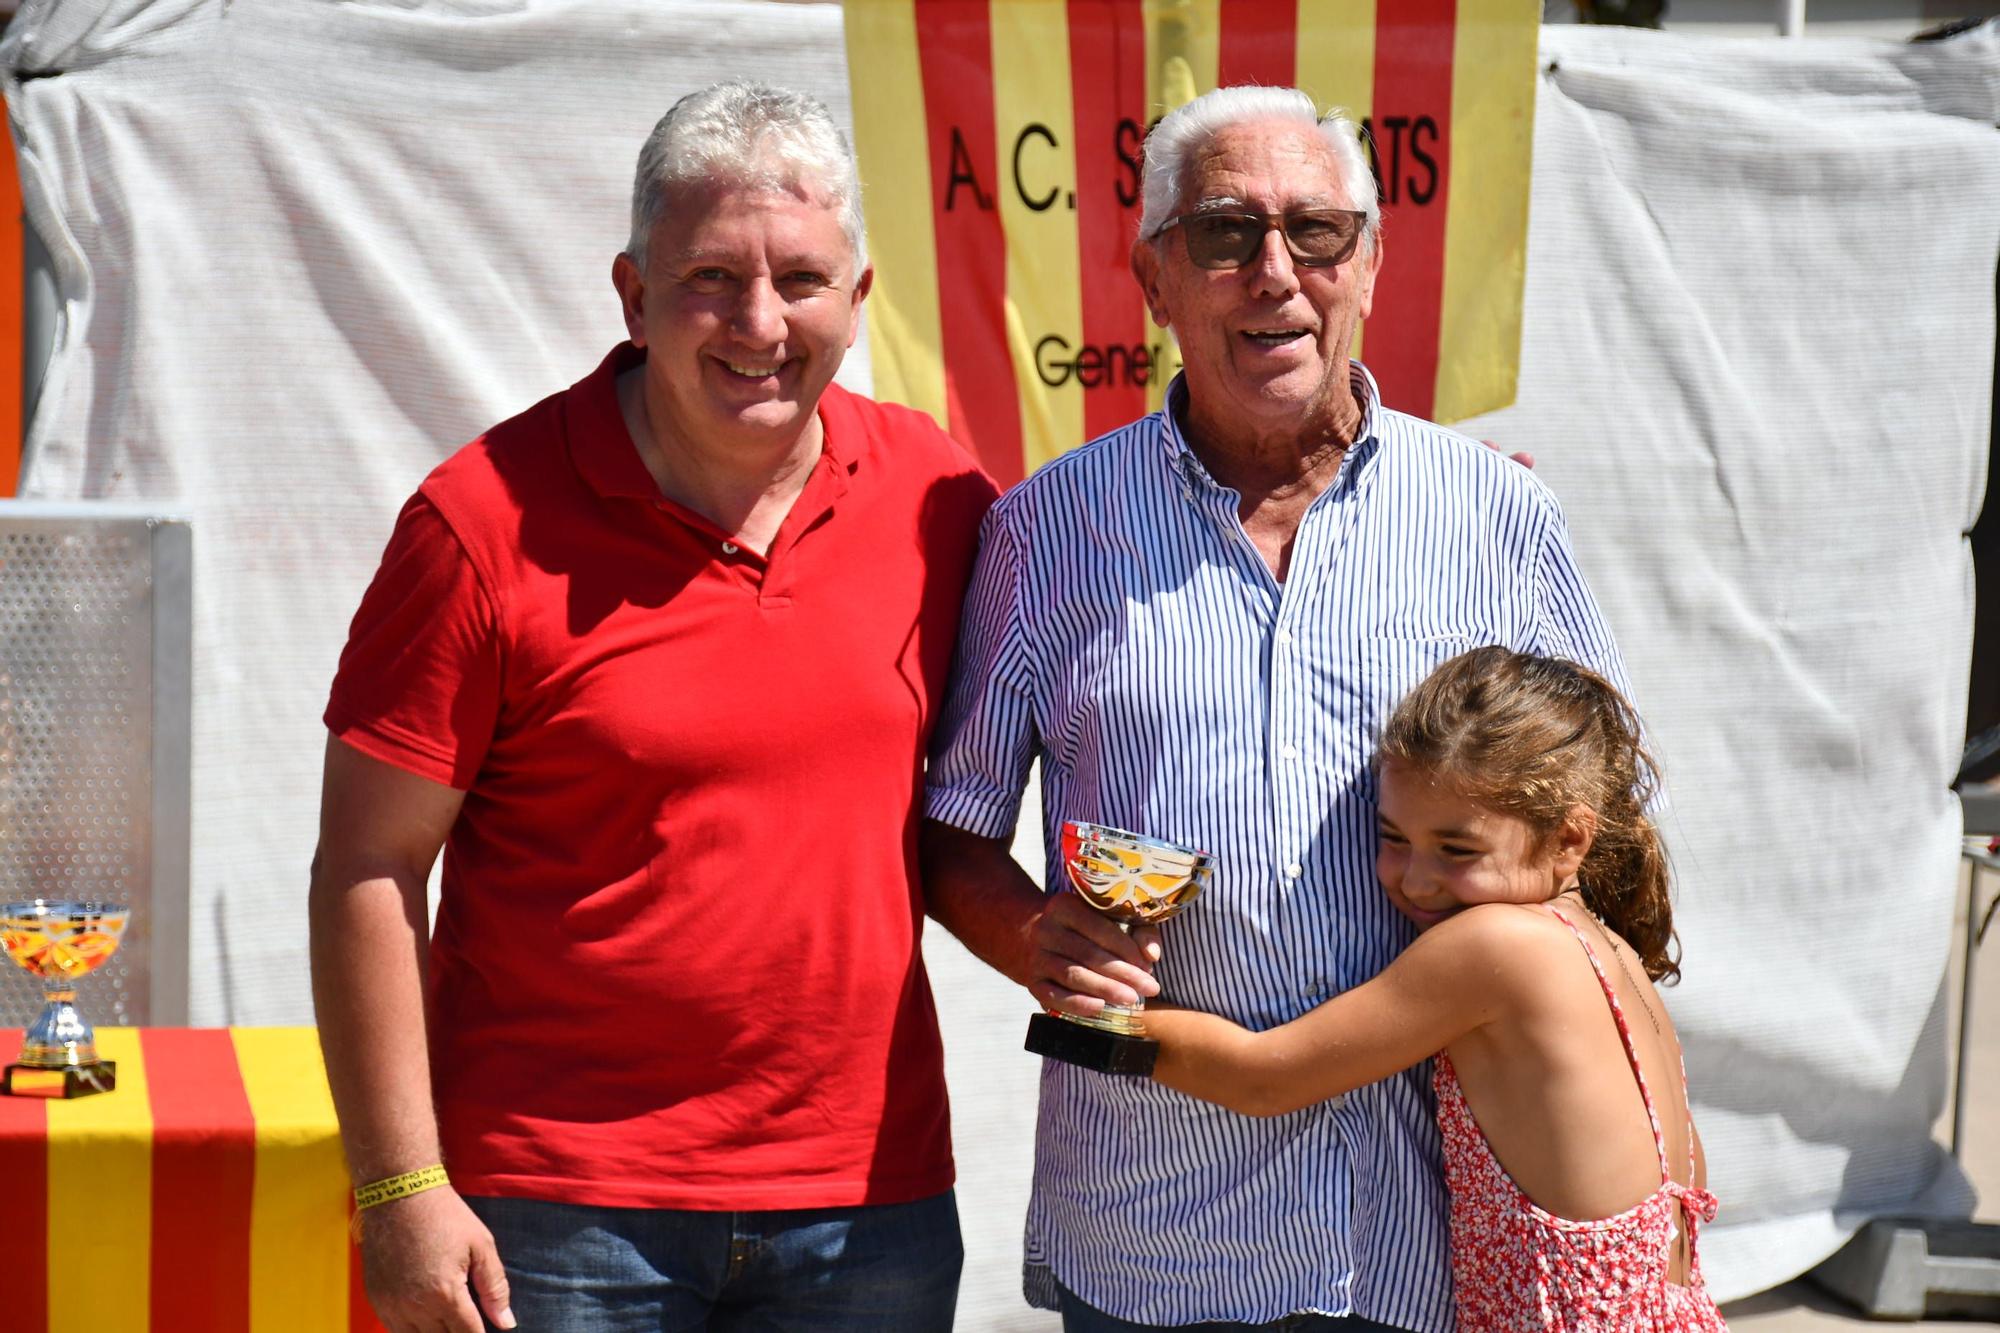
{"type": "Point", "coordinates": [59, 942]}
{"type": "Point", "coordinates": [1134, 880]}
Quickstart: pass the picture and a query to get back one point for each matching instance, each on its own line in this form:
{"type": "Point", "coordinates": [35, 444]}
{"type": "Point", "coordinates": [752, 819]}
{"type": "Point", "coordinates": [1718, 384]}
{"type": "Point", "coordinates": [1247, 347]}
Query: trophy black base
{"type": "Point", "coordinates": [1091, 1048]}
{"type": "Point", "coordinates": [60, 1083]}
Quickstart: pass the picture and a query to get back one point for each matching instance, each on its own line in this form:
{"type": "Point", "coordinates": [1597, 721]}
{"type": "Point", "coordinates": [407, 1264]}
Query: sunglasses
{"type": "Point", "coordinates": [1316, 237]}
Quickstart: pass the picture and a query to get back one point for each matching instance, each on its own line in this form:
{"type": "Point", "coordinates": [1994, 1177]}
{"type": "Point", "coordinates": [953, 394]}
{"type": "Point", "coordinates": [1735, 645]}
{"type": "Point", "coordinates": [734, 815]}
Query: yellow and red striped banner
{"type": "Point", "coordinates": [205, 1194]}
{"type": "Point", "coordinates": [1000, 142]}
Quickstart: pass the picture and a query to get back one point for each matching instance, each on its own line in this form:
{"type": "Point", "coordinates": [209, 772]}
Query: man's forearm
{"type": "Point", "coordinates": [368, 946]}
{"type": "Point", "coordinates": [380, 831]}
{"type": "Point", "coordinates": [1068, 955]}
{"type": "Point", "coordinates": [974, 888]}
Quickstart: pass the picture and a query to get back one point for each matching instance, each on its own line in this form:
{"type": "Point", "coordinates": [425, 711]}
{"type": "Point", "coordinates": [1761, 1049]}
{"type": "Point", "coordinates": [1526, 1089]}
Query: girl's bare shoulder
{"type": "Point", "coordinates": [1515, 946]}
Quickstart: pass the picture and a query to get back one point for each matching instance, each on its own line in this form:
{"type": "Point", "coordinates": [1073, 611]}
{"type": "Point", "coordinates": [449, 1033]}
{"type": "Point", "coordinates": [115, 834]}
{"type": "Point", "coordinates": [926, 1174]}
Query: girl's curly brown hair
{"type": "Point", "coordinates": [1533, 736]}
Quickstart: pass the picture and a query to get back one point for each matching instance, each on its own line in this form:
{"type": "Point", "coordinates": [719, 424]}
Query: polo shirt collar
{"type": "Point", "coordinates": [608, 459]}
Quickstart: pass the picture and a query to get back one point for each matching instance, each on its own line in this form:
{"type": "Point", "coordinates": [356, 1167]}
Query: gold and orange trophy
{"type": "Point", "coordinates": [1134, 880]}
{"type": "Point", "coordinates": [59, 942]}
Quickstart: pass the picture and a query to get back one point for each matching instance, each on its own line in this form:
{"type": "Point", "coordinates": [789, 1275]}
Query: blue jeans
{"type": "Point", "coordinates": [578, 1269]}
{"type": "Point", "coordinates": [1080, 1318]}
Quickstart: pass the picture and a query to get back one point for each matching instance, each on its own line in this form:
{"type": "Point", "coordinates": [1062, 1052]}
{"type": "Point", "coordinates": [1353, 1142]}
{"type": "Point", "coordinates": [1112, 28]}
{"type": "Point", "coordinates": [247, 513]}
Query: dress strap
{"type": "Point", "coordinates": [1631, 1054]}
{"type": "Point", "coordinates": [1689, 1103]}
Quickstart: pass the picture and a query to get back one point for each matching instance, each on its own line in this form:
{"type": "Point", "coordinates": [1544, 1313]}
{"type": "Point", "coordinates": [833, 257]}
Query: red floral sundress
{"type": "Point", "coordinates": [1518, 1267]}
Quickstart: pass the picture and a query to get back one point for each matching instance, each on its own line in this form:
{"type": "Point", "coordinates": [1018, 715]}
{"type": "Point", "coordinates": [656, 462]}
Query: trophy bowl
{"type": "Point", "coordinates": [59, 941]}
{"type": "Point", "coordinates": [1134, 880]}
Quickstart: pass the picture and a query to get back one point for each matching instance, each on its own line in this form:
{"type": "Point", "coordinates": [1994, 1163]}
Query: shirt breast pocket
{"type": "Point", "coordinates": [1390, 666]}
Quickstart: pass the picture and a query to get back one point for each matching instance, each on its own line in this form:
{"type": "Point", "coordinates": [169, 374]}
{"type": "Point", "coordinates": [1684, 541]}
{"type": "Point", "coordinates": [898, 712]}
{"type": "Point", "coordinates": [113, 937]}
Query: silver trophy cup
{"type": "Point", "coordinates": [1134, 880]}
{"type": "Point", "coordinates": [60, 941]}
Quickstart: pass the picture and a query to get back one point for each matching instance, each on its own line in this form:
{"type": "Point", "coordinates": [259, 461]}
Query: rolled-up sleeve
{"type": "Point", "coordinates": [1568, 623]}
{"type": "Point", "coordinates": [986, 739]}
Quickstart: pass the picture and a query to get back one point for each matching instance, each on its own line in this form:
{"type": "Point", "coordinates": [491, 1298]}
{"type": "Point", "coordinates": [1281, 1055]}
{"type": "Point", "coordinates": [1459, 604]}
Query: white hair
{"type": "Point", "coordinates": [1185, 129]}
{"type": "Point", "coordinates": [750, 134]}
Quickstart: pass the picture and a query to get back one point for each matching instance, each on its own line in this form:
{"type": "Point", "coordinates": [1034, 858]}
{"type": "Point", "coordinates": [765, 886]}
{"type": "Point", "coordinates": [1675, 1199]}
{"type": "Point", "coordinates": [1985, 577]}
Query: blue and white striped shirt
{"type": "Point", "coordinates": [1122, 626]}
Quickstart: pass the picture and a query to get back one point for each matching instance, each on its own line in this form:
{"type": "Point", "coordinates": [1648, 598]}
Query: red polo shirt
{"type": "Point", "coordinates": [676, 959]}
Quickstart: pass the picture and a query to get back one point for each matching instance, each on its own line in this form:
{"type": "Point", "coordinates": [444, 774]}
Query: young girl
{"type": "Point", "coordinates": [1512, 791]}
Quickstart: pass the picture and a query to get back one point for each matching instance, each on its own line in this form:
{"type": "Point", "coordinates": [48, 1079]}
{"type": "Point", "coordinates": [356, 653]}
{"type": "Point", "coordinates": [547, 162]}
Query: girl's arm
{"type": "Point", "coordinates": [1459, 975]}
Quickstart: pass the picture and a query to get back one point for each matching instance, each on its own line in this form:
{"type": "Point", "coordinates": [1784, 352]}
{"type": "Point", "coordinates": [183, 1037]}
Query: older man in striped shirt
{"type": "Point", "coordinates": [1198, 623]}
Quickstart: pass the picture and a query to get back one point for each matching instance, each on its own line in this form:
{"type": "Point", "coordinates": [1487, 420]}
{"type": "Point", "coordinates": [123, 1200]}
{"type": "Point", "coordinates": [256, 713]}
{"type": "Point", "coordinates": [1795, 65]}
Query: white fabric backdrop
{"type": "Point", "coordinates": [304, 250]}
{"type": "Point", "coordinates": [1758, 369]}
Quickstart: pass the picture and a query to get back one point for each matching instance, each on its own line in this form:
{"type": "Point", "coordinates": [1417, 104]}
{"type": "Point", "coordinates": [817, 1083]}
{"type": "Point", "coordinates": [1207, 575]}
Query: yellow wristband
{"type": "Point", "coordinates": [400, 1187]}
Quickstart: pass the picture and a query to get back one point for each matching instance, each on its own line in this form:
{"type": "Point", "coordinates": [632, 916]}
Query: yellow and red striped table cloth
{"type": "Point", "coordinates": [207, 1194]}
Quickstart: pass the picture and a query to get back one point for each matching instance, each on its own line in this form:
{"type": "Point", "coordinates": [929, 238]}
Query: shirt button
{"type": "Point", "coordinates": [1284, 636]}
{"type": "Point", "coordinates": [729, 548]}
{"type": "Point", "coordinates": [1294, 870]}
{"type": "Point", "coordinates": [1290, 752]}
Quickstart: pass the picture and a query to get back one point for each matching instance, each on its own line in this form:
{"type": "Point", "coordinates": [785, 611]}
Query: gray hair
{"type": "Point", "coordinates": [752, 134]}
{"type": "Point", "coordinates": [1187, 128]}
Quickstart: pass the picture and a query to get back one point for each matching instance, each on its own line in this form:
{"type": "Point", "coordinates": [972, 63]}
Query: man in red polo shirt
{"type": "Point", "coordinates": [654, 663]}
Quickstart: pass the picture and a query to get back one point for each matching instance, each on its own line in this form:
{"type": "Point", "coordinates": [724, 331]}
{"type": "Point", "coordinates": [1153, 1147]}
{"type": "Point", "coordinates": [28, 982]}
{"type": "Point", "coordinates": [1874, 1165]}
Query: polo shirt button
{"type": "Point", "coordinates": [1294, 870]}
{"type": "Point", "coordinates": [729, 548]}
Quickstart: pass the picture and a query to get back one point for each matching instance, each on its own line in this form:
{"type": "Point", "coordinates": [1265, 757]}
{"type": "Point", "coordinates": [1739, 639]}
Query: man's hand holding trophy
{"type": "Point", "coordinates": [1134, 880]}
